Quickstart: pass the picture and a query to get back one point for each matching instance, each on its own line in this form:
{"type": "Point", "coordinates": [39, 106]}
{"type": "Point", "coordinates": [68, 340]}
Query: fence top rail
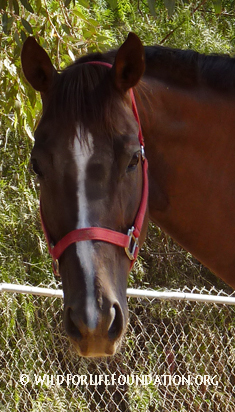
{"type": "Point", "coordinates": [135, 293]}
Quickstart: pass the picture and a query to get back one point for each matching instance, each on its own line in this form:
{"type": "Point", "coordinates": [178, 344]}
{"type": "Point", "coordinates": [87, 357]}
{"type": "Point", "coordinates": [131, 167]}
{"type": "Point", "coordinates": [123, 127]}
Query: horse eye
{"type": "Point", "coordinates": [134, 162]}
{"type": "Point", "coordinates": [36, 168]}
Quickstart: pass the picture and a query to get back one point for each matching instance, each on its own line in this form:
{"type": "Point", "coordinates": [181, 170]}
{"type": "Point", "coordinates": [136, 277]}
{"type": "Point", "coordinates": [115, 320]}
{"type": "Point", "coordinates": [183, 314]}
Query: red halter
{"type": "Point", "coordinates": [130, 241]}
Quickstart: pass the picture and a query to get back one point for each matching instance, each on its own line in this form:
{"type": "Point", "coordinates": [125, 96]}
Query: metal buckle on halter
{"type": "Point", "coordinates": [142, 153]}
{"type": "Point", "coordinates": [56, 267]}
{"type": "Point", "coordinates": [133, 244]}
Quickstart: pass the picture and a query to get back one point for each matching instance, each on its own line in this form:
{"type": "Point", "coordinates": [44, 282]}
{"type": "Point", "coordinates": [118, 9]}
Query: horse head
{"type": "Point", "coordinates": [88, 159]}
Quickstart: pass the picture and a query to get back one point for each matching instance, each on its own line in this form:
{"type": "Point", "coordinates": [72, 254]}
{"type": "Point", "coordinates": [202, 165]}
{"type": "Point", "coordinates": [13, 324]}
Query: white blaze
{"type": "Point", "coordinates": [85, 249]}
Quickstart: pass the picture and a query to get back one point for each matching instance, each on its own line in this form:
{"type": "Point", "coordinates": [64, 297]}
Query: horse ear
{"type": "Point", "coordinates": [37, 66]}
{"type": "Point", "coordinates": [129, 63]}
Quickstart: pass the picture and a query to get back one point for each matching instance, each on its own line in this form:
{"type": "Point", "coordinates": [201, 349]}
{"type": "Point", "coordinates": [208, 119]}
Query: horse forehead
{"type": "Point", "coordinates": [93, 158]}
{"type": "Point", "coordinates": [82, 149]}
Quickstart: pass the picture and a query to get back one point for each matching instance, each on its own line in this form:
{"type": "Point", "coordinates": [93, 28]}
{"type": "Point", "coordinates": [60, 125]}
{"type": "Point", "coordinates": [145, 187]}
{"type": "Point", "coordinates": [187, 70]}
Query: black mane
{"type": "Point", "coordinates": [84, 93]}
{"type": "Point", "coordinates": [191, 69]}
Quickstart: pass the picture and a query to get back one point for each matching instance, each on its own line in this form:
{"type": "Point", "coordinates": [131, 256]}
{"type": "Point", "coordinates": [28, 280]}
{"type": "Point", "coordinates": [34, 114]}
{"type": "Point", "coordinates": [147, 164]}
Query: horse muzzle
{"type": "Point", "coordinates": [95, 332]}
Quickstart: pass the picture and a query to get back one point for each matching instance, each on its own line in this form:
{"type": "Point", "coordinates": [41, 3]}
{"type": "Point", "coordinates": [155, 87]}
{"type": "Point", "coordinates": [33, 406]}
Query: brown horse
{"type": "Point", "coordinates": [89, 159]}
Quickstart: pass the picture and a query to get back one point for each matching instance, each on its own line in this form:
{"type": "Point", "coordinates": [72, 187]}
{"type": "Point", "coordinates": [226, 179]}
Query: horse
{"type": "Point", "coordinates": [108, 121]}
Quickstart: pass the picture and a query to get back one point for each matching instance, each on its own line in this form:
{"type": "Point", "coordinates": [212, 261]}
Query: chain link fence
{"type": "Point", "coordinates": [176, 356]}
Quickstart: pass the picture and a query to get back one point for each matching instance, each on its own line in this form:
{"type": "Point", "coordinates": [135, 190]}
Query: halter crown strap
{"type": "Point", "coordinates": [130, 241]}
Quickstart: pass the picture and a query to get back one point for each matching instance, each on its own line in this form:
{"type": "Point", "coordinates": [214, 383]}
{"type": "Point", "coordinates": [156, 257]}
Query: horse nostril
{"type": "Point", "coordinates": [70, 327]}
{"type": "Point", "coordinates": [109, 324]}
{"type": "Point", "coordinates": [116, 327]}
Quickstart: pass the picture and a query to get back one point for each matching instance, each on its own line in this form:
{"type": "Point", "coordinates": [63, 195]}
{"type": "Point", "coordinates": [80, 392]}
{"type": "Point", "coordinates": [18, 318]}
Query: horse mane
{"type": "Point", "coordinates": [187, 68]}
{"type": "Point", "coordinates": [84, 93]}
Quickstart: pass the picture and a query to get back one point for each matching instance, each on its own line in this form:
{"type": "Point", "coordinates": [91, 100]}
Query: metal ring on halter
{"type": "Point", "coordinates": [142, 153]}
{"type": "Point", "coordinates": [133, 244]}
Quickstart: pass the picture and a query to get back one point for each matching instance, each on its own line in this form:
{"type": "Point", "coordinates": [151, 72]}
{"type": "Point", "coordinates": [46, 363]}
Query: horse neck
{"type": "Point", "coordinates": [189, 141]}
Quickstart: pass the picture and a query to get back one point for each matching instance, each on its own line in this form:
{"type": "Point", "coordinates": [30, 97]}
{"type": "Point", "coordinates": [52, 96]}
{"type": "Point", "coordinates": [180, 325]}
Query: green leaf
{"type": "Point", "coordinates": [93, 22]}
{"type": "Point", "coordinates": [17, 38]}
{"type": "Point", "coordinates": [170, 5]}
{"type": "Point", "coordinates": [113, 4]}
{"type": "Point", "coordinates": [87, 34]}
{"type": "Point", "coordinates": [79, 14]}
{"type": "Point", "coordinates": [43, 12]}
{"type": "Point", "coordinates": [89, 29]}
{"type": "Point", "coordinates": [217, 6]}
{"type": "Point", "coordinates": [16, 7]}
{"type": "Point", "coordinates": [84, 3]}
{"type": "Point", "coordinates": [27, 26]}
{"type": "Point", "coordinates": [66, 28]}
{"type": "Point", "coordinates": [16, 53]}
{"type": "Point", "coordinates": [3, 4]}
{"type": "Point", "coordinates": [151, 4]}
{"type": "Point", "coordinates": [23, 36]}
{"type": "Point", "coordinates": [7, 23]}
{"type": "Point", "coordinates": [10, 22]}
{"type": "Point", "coordinates": [26, 4]}
{"type": "Point", "coordinates": [102, 38]}
{"type": "Point", "coordinates": [4, 22]}
{"type": "Point", "coordinates": [38, 4]}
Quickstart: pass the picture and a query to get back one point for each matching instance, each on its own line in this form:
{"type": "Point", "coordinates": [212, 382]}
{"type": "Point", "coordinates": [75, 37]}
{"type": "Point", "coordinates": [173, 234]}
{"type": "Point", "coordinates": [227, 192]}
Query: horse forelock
{"type": "Point", "coordinates": [84, 96]}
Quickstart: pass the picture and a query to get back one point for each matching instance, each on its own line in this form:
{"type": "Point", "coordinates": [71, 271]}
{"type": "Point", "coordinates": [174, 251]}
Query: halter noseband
{"type": "Point", "coordinates": [130, 241]}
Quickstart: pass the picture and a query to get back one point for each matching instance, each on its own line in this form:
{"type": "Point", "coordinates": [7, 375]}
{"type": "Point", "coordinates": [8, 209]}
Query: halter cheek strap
{"type": "Point", "coordinates": [129, 241]}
